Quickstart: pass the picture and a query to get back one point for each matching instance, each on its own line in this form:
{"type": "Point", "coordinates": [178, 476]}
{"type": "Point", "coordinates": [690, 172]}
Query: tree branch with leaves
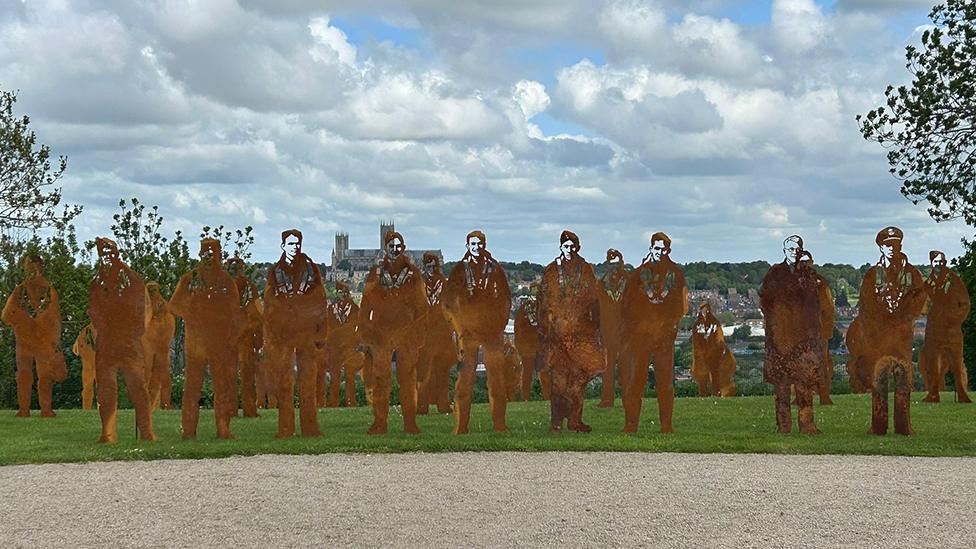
{"type": "Point", "coordinates": [29, 198]}
{"type": "Point", "coordinates": [930, 126]}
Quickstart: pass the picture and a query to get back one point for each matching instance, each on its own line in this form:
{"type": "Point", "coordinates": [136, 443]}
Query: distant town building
{"type": "Point", "coordinates": [347, 260]}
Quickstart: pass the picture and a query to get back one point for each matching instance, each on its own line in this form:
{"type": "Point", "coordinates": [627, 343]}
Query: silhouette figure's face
{"type": "Point", "coordinates": [342, 293]}
{"type": "Point", "coordinates": [209, 251]}
{"type": "Point", "coordinates": [235, 267]}
{"type": "Point", "coordinates": [659, 250]}
{"type": "Point", "coordinates": [430, 266]}
{"type": "Point", "coordinates": [568, 249]}
{"type": "Point", "coordinates": [107, 253]}
{"type": "Point", "coordinates": [703, 310]}
{"type": "Point", "coordinates": [475, 246]}
{"type": "Point", "coordinates": [31, 268]}
{"type": "Point", "coordinates": [292, 246]}
{"type": "Point", "coordinates": [889, 249]}
{"type": "Point", "coordinates": [792, 250]}
{"type": "Point", "coordinates": [395, 248]}
{"type": "Point", "coordinates": [939, 262]}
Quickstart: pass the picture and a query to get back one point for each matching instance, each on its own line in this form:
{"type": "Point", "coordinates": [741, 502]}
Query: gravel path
{"type": "Point", "coordinates": [494, 499]}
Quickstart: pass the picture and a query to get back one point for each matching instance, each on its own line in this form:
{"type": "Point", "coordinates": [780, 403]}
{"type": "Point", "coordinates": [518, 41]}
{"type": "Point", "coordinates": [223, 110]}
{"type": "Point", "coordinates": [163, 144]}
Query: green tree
{"type": "Point", "coordinates": [929, 127]}
{"type": "Point", "coordinates": [143, 247]}
{"type": "Point", "coordinates": [741, 332]}
{"type": "Point", "coordinates": [28, 196]}
{"type": "Point", "coordinates": [841, 299]}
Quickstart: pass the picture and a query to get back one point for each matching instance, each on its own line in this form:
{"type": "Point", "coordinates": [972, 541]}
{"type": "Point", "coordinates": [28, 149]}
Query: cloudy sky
{"type": "Point", "coordinates": [727, 124]}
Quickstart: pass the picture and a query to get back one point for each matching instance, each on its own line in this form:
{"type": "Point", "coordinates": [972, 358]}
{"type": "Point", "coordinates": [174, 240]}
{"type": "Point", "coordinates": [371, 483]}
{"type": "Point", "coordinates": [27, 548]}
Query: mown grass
{"type": "Point", "coordinates": [709, 425]}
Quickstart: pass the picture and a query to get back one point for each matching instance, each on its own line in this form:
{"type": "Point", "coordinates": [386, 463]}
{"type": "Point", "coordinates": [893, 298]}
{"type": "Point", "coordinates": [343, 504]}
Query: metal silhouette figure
{"type": "Point", "coordinates": [294, 327]}
{"type": "Point", "coordinates": [390, 317]}
{"type": "Point", "coordinates": [207, 300]}
{"type": "Point", "coordinates": [790, 302]}
{"type": "Point", "coordinates": [528, 343]}
{"type": "Point", "coordinates": [478, 301]}
{"type": "Point", "coordinates": [613, 282]}
{"type": "Point", "coordinates": [157, 342]}
{"type": "Point", "coordinates": [569, 320]}
{"type": "Point", "coordinates": [942, 351]}
{"type": "Point", "coordinates": [34, 313]}
{"type": "Point", "coordinates": [655, 299]}
{"type": "Point", "coordinates": [440, 351]}
{"type": "Point", "coordinates": [892, 297]}
{"type": "Point", "coordinates": [84, 348]}
{"type": "Point", "coordinates": [712, 362]}
{"type": "Point", "coordinates": [118, 306]}
{"type": "Point", "coordinates": [342, 354]}
{"type": "Point", "coordinates": [250, 340]}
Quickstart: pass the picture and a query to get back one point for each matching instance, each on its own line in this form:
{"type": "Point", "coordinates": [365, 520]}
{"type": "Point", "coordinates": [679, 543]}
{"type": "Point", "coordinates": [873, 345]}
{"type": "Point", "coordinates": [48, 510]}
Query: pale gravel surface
{"type": "Point", "coordinates": [494, 499]}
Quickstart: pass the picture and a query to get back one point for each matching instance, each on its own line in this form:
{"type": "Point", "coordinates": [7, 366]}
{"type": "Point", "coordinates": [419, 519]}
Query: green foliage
{"type": "Point", "coordinates": [840, 298]}
{"type": "Point", "coordinates": [929, 128]}
{"type": "Point", "coordinates": [240, 240]}
{"type": "Point", "coordinates": [69, 268]}
{"type": "Point", "coordinates": [700, 275]}
{"type": "Point", "coordinates": [28, 198]}
{"type": "Point", "coordinates": [143, 247]}
{"type": "Point", "coordinates": [70, 277]}
{"type": "Point", "coordinates": [965, 265]}
{"type": "Point", "coordinates": [836, 340]}
{"type": "Point", "coordinates": [740, 333]}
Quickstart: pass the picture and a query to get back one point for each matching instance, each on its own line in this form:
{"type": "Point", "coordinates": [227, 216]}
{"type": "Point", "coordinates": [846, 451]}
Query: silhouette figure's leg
{"type": "Point", "coordinates": [108, 396]}
{"type": "Point", "coordinates": [903, 398]}
{"type": "Point", "coordinates": [380, 383]}
{"type": "Point", "coordinates": [635, 381]}
{"type": "Point", "coordinates": [607, 392]}
{"type": "Point", "coordinates": [879, 401]}
{"type": "Point", "coordinates": [25, 380]}
{"type": "Point", "coordinates": [784, 419]}
{"type": "Point", "coordinates": [664, 384]}
{"type": "Point", "coordinates": [497, 391]}
{"type": "Point", "coordinates": [307, 404]}
{"type": "Point", "coordinates": [464, 388]}
{"type": "Point", "coordinates": [407, 379]}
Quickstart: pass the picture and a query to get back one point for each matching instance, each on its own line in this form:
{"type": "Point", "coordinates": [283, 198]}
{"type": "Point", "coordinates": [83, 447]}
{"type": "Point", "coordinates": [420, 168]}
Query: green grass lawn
{"type": "Point", "coordinates": [733, 425]}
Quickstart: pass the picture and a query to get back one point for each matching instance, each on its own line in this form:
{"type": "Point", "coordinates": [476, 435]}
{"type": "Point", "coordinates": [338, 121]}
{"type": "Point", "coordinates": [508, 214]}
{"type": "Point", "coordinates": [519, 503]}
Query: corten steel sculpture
{"type": "Point", "coordinates": [613, 282]}
{"type": "Point", "coordinates": [790, 301]}
{"type": "Point", "coordinates": [513, 367]}
{"type": "Point", "coordinates": [207, 300]}
{"type": "Point", "coordinates": [655, 299]}
{"type": "Point", "coordinates": [712, 362]}
{"type": "Point", "coordinates": [84, 348]}
{"type": "Point", "coordinates": [32, 310]}
{"type": "Point", "coordinates": [439, 352]}
{"type": "Point", "coordinates": [942, 351]}
{"type": "Point", "coordinates": [342, 346]}
{"type": "Point", "coordinates": [251, 338]}
{"type": "Point", "coordinates": [118, 306]}
{"type": "Point", "coordinates": [390, 317]}
{"type": "Point", "coordinates": [827, 313]}
{"type": "Point", "coordinates": [528, 343]}
{"type": "Point", "coordinates": [294, 324]}
{"type": "Point", "coordinates": [478, 301]}
{"type": "Point", "coordinates": [156, 341]}
{"type": "Point", "coordinates": [569, 320]}
{"type": "Point", "coordinates": [892, 296]}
